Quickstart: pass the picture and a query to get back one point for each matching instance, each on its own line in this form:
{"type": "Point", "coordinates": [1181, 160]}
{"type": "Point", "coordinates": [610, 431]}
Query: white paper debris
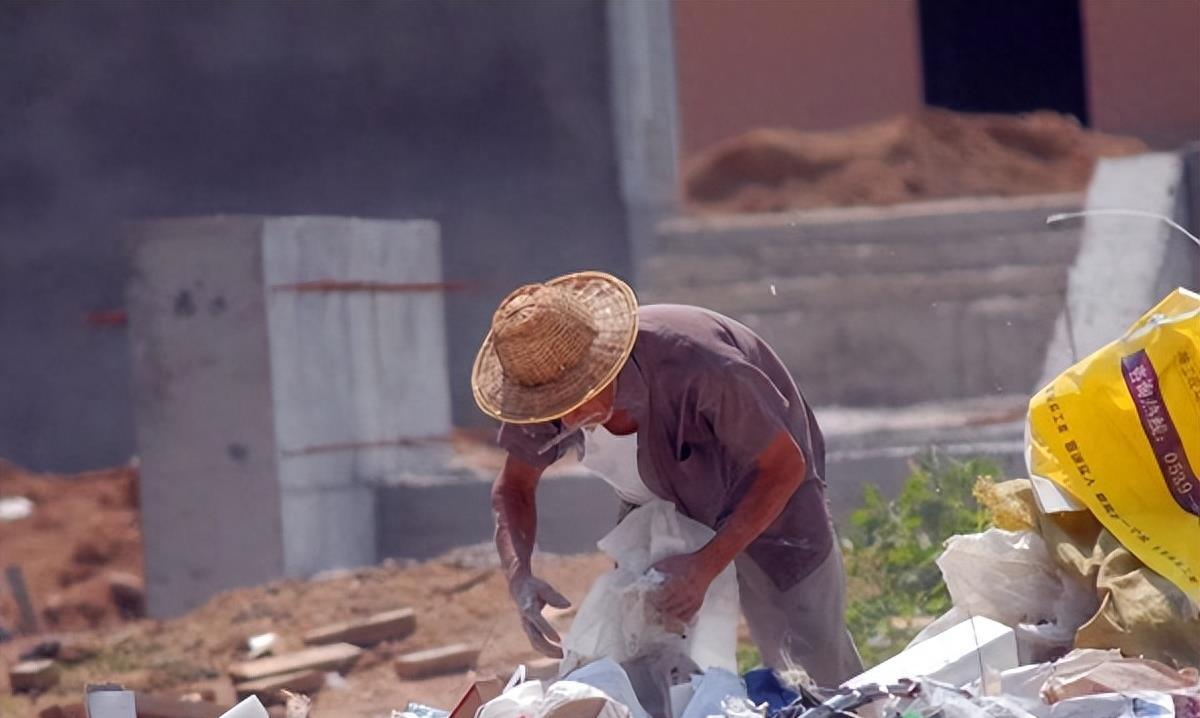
{"type": "Point", "coordinates": [15, 508]}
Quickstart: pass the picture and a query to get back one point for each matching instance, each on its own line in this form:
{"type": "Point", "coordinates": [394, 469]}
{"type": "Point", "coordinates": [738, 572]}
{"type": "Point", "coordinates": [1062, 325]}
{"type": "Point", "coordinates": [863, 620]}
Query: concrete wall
{"type": "Point", "coordinates": [283, 367]}
{"type": "Point", "coordinates": [883, 306]}
{"type": "Point", "coordinates": [491, 118]}
{"type": "Point", "coordinates": [1143, 68]}
{"type": "Point", "coordinates": [781, 63]}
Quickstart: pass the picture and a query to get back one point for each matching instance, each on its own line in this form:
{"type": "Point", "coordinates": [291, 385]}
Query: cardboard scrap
{"type": "Point", "coordinates": [479, 693]}
{"type": "Point", "coordinates": [448, 659]}
{"type": "Point", "coordinates": [270, 689]}
{"type": "Point", "coordinates": [390, 625]}
{"type": "Point", "coordinates": [33, 676]}
{"type": "Point", "coordinates": [150, 706]}
{"type": "Point", "coordinates": [334, 657]}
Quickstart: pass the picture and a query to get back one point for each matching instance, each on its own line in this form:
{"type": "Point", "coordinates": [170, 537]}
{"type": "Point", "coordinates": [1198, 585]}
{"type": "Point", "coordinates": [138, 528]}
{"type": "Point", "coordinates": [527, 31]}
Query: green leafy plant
{"type": "Point", "coordinates": [895, 588]}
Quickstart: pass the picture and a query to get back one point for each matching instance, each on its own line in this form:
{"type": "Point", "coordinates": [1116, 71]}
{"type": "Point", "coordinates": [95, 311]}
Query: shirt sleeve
{"type": "Point", "coordinates": [526, 441]}
{"type": "Point", "coordinates": [745, 411]}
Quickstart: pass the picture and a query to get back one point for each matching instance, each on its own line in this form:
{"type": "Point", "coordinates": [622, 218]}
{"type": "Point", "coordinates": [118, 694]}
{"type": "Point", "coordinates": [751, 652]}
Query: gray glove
{"type": "Point", "coordinates": [531, 595]}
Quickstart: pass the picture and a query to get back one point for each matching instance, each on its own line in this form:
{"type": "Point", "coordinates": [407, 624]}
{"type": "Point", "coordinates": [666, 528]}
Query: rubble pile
{"type": "Point", "coordinates": [933, 154]}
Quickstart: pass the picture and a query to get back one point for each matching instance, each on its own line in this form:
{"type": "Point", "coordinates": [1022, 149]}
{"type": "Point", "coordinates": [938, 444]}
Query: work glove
{"type": "Point", "coordinates": [531, 595]}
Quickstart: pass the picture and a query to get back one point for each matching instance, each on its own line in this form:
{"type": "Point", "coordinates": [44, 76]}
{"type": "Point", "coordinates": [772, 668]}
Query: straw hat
{"type": "Point", "coordinates": [554, 346]}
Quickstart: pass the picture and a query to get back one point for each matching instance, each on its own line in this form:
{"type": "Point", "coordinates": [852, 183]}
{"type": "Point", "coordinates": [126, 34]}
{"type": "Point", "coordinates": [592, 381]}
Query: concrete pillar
{"type": "Point", "coordinates": [1126, 264]}
{"type": "Point", "coordinates": [645, 116]}
{"type": "Point", "coordinates": [282, 368]}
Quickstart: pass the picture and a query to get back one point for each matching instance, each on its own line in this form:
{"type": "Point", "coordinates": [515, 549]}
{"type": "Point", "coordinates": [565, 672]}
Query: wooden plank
{"type": "Point", "coordinates": [334, 657]}
{"type": "Point", "coordinates": [33, 676]}
{"type": "Point", "coordinates": [73, 710]}
{"type": "Point", "coordinates": [449, 659]}
{"type": "Point", "coordinates": [268, 689]}
{"type": "Point", "coordinates": [390, 625]}
{"type": "Point", "coordinates": [16, 582]}
{"type": "Point", "coordinates": [151, 706]}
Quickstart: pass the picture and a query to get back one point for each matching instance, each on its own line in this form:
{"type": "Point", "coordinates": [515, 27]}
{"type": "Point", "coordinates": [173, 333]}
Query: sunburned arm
{"type": "Point", "coordinates": [781, 469]}
{"type": "Point", "coordinates": [515, 509]}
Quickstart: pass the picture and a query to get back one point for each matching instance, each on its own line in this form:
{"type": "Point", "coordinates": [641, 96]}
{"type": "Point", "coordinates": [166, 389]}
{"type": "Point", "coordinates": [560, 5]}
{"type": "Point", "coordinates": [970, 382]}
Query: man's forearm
{"type": "Point", "coordinates": [515, 511]}
{"type": "Point", "coordinates": [781, 470]}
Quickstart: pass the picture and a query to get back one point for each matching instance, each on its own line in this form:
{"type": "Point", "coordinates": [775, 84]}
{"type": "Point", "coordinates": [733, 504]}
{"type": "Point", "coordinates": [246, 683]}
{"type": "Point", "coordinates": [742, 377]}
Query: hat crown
{"type": "Point", "coordinates": [541, 332]}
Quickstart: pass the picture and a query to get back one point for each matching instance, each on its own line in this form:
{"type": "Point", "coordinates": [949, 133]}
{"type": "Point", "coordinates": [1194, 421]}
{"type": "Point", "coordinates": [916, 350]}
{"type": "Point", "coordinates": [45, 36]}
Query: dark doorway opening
{"type": "Point", "coordinates": [1003, 55]}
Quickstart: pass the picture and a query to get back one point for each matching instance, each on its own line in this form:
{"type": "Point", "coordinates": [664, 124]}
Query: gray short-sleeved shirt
{"type": "Point", "coordinates": [708, 396]}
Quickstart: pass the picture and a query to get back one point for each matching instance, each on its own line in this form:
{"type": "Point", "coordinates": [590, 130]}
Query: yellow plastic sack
{"type": "Point", "coordinates": [1120, 431]}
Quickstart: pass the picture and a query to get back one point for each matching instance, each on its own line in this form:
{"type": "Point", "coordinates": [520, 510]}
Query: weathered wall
{"type": "Point", "coordinates": [1143, 68]}
{"type": "Point", "coordinates": [883, 306]}
{"type": "Point", "coordinates": [781, 63]}
{"type": "Point", "coordinates": [491, 118]}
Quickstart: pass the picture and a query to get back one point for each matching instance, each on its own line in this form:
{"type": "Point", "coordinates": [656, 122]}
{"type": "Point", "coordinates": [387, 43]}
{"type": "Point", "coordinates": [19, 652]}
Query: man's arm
{"type": "Point", "coordinates": [780, 469]}
{"type": "Point", "coordinates": [515, 507]}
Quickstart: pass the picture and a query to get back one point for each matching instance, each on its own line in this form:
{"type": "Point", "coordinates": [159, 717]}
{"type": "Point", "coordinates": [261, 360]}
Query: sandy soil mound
{"type": "Point", "coordinates": [934, 154]}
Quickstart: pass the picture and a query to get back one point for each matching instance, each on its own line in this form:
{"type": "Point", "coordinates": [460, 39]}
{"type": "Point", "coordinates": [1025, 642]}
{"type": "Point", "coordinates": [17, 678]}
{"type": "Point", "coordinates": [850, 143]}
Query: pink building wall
{"type": "Point", "coordinates": [809, 64]}
{"type": "Point", "coordinates": [824, 64]}
{"type": "Point", "coordinates": [1142, 61]}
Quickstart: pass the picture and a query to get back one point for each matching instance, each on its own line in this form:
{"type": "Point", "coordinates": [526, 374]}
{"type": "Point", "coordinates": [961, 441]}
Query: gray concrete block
{"type": "Point", "coordinates": [282, 366]}
{"type": "Point", "coordinates": [837, 293]}
{"type": "Point", "coordinates": [1125, 264]}
{"type": "Point", "coordinates": [326, 528]}
{"type": "Point", "coordinates": [574, 512]}
{"type": "Point", "coordinates": [210, 497]}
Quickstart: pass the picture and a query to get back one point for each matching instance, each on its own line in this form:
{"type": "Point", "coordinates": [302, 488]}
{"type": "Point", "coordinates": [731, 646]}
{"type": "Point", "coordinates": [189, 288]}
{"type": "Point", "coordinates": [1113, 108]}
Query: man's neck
{"type": "Point", "coordinates": [621, 424]}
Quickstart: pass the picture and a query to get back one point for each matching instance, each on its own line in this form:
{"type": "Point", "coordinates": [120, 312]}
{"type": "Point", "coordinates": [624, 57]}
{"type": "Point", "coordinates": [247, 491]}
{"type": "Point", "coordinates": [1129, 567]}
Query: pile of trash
{"type": "Point", "coordinates": [1080, 602]}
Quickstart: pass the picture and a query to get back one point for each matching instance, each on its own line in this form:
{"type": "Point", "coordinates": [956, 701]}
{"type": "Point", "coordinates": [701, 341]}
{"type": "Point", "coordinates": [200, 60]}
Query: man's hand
{"type": "Point", "coordinates": [531, 595]}
{"type": "Point", "coordinates": [688, 577]}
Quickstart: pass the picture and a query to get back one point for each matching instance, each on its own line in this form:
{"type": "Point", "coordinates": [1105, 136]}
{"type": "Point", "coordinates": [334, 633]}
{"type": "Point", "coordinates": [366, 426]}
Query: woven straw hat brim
{"type": "Point", "coordinates": [614, 309]}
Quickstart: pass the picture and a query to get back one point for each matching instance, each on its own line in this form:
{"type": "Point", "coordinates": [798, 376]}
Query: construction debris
{"type": "Point", "coordinates": [261, 645]}
{"type": "Point", "coordinates": [448, 659]}
{"type": "Point", "coordinates": [33, 676]}
{"type": "Point", "coordinates": [272, 688]}
{"type": "Point", "coordinates": [15, 508]}
{"type": "Point", "coordinates": [387, 626]}
{"type": "Point", "coordinates": [335, 657]}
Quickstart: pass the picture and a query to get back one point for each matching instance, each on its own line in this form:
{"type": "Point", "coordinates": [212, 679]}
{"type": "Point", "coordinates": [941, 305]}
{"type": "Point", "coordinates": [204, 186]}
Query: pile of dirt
{"type": "Point", "coordinates": [83, 532]}
{"type": "Point", "coordinates": [933, 154]}
{"type": "Point", "coordinates": [461, 598]}
{"type": "Point", "coordinates": [81, 539]}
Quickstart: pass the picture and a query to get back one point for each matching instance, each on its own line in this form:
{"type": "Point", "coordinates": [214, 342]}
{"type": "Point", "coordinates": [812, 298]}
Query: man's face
{"type": "Point", "coordinates": [596, 411]}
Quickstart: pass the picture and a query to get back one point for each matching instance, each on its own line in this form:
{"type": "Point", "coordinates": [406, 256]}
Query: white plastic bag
{"type": "Point", "coordinates": [616, 619]}
{"type": "Point", "coordinates": [606, 676]}
{"type": "Point", "coordinates": [1009, 577]}
{"type": "Point", "coordinates": [569, 699]}
{"type": "Point", "coordinates": [521, 701]}
{"type": "Point", "coordinates": [711, 690]}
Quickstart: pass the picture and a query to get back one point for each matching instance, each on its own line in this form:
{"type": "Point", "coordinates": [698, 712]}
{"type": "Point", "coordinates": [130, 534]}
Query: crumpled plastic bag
{"type": "Point", "coordinates": [532, 699]}
{"type": "Point", "coordinates": [1010, 577]}
{"type": "Point", "coordinates": [1116, 675]}
{"type": "Point", "coordinates": [1140, 612]}
{"type": "Point", "coordinates": [616, 619]}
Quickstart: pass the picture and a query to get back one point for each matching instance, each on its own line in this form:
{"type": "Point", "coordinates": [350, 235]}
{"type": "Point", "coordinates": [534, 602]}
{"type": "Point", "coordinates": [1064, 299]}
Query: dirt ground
{"type": "Point", "coordinates": [934, 154]}
{"type": "Point", "coordinates": [85, 527]}
{"type": "Point", "coordinates": [83, 530]}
